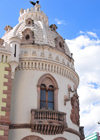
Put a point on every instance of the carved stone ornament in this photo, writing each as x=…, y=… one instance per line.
x=28, y=36
x=67, y=97
x=53, y=27
x=59, y=43
x=21, y=11
x=81, y=129
x=29, y=22
x=48, y=122
x=32, y=138
x=75, y=109
x=8, y=28
x=1, y=42
x=70, y=89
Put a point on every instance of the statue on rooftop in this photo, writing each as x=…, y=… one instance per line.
x=34, y=3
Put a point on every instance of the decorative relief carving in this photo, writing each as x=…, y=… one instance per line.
x=40, y=65
x=48, y=122
x=81, y=129
x=34, y=53
x=28, y=37
x=59, y=43
x=53, y=27
x=8, y=28
x=50, y=56
x=42, y=54
x=75, y=109
x=67, y=97
x=63, y=61
x=1, y=42
x=29, y=22
x=21, y=11
x=57, y=58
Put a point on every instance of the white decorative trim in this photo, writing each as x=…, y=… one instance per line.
x=49, y=67
x=35, y=15
x=46, y=52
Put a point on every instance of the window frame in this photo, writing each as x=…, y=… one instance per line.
x=47, y=101
x=48, y=80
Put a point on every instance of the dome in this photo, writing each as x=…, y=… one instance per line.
x=35, y=21
x=39, y=97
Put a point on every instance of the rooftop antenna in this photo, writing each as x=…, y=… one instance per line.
x=34, y=3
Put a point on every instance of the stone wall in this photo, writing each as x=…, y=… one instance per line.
x=5, y=96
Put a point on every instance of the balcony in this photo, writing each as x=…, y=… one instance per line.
x=48, y=122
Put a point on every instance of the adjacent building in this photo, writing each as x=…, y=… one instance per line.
x=94, y=136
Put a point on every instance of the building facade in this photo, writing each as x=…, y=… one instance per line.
x=38, y=82
x=93, y=136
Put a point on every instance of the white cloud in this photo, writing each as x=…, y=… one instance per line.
x=59, y=22
x=92, y=34
x=86, y=52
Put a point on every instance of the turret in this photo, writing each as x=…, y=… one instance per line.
x=15, y=49
x=5, y=51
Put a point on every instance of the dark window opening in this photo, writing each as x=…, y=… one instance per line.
x=61, y=45
x=47, y=97
x=15, y=51
x=29, y=22
x=27, y=37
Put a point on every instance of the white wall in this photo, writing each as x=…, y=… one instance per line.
x=24, y=98
x=20, y=134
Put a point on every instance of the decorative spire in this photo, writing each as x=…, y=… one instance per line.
x=34, y=3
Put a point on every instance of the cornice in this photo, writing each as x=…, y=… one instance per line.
x=49, y=66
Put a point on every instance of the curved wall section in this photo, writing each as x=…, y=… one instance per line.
x=32, y=138
x=19, y=134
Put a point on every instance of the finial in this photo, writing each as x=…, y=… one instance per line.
x=34, y=3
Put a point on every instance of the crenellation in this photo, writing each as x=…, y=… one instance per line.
x=37, y=15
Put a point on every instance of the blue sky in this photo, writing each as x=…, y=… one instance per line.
x=78, y=22
x=75, y=15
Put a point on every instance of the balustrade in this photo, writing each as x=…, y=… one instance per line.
x=48, y=121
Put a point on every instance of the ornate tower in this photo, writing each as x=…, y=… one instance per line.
x=38, y=82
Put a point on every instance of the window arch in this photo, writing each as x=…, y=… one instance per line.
x=47, y=93
x=32, y=138
x=60, y=138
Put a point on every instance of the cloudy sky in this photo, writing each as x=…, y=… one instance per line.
x=79, y=23
x=86, y=49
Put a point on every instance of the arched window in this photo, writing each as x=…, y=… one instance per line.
x=47, y=97
x=47, y=93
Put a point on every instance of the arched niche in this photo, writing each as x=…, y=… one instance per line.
x=28, y=36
